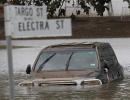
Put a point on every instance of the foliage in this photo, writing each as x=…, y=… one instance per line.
x=3, y=1
x=53, y=5
x=99, y=5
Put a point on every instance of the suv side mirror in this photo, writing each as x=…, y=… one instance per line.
x=106, y=70
x=28, y=69
x=105, y=66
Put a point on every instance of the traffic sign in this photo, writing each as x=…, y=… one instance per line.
x=41, y=28
x=31, y=21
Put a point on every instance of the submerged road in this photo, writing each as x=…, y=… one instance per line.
x=24, y=56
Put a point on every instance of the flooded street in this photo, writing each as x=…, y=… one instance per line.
x=113, y=91
x=24, y=56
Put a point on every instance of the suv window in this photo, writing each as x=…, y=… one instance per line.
x=67, y=60
x=42, y=58
x=83, y=60
x=57, y=62
x=106, y=53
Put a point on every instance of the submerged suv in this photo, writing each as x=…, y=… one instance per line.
x=76, y=64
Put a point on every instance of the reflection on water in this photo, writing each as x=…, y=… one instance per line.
x=24, y=56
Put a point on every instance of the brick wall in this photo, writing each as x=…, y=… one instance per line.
x=1, y=11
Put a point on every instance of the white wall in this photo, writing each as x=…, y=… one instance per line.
x=118, y=5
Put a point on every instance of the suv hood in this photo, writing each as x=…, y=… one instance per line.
x=61, y=81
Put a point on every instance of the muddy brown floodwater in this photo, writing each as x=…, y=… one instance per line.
x=113, y=91
x=118, y=90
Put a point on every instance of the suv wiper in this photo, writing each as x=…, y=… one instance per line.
x=68, y=62
x=41, y=66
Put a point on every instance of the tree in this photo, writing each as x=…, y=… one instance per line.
x=99, y=5
x=3, y=1
x=53, y=5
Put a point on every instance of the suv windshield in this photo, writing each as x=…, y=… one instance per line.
x=67, y=60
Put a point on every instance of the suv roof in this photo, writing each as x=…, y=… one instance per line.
x=75, y=45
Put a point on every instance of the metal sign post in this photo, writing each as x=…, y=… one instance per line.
x=10, y=67
x=9, y=52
